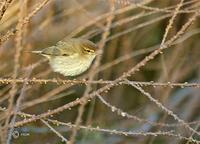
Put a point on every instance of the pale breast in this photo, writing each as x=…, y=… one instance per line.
x=71, y=65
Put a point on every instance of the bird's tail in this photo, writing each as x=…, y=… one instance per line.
x=36, y=52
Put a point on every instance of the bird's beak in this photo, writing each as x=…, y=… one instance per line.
x=98, y=53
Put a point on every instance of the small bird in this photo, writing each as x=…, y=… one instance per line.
x=70, y=57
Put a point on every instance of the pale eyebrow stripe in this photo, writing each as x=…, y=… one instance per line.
x=89, y=49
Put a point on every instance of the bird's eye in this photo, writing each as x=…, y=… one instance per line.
x=89, y=51
x=65, y=54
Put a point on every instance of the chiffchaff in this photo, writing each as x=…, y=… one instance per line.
x=71, y=56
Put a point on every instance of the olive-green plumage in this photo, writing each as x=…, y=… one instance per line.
x=70, y=57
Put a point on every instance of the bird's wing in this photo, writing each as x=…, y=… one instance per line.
x=73, y=45
x=66, y=47
x=53, y=51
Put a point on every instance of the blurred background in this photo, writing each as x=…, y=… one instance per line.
x=137, y=28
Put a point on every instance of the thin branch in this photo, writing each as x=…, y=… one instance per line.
x=55, y=131
x=169, y=112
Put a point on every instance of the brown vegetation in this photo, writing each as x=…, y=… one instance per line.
x=144, y=88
